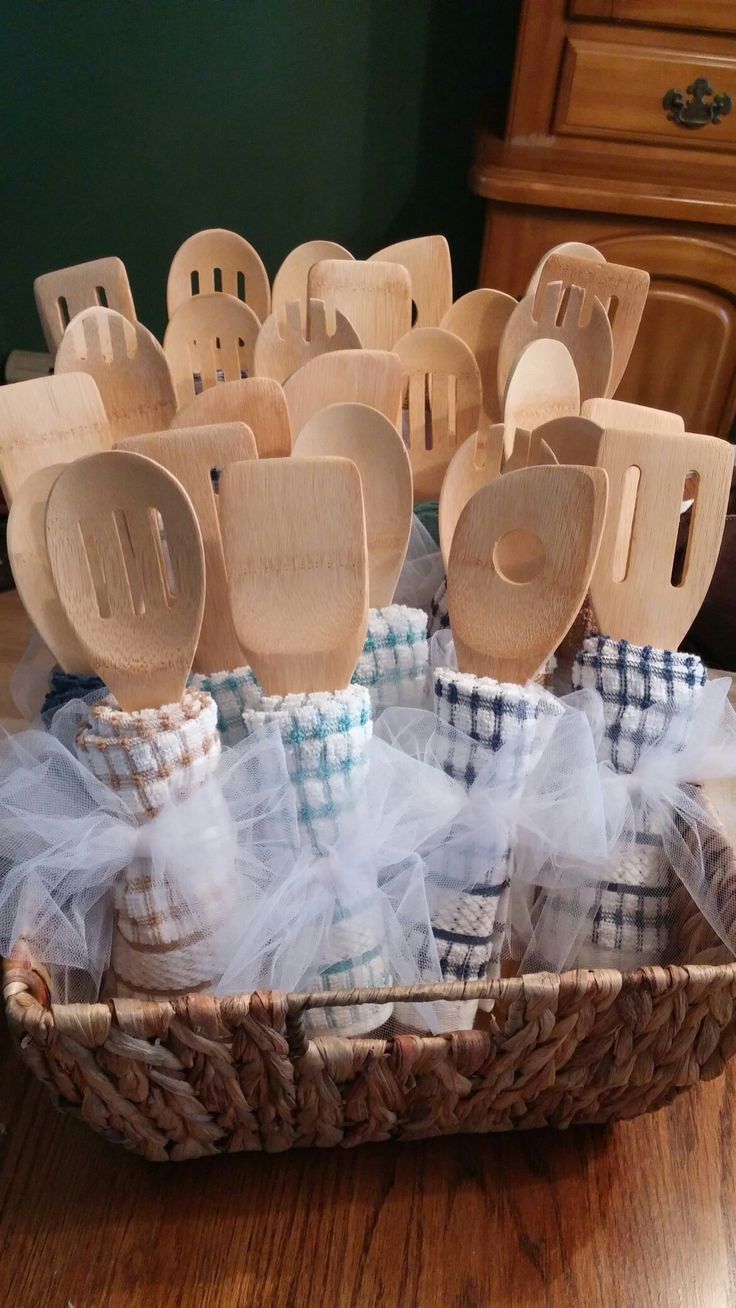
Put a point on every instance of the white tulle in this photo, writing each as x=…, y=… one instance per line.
x=423, y=569
x=29, y=679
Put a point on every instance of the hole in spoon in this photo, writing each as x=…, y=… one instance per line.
x=689, y=502
x=217, y=280
x=625, y=530
x=194, y=282
x=241, y=286
x=64, y=311
x=519, y=556
x=102, y=297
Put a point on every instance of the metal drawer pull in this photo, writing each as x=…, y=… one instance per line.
x=695, y=112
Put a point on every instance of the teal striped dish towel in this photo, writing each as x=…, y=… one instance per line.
x=394, y=661
x=228, y=690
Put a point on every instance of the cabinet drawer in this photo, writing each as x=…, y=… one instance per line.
x=701, y=15
x=614, y=88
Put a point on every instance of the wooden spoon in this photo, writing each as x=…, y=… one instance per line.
x=285, y=344
x=543, y=384
x=62, y=294
x=375, y=297
x=218, y=262
x=632, y=590
x=135, y=610
x=49, y=420
x=622, y=291
x=191, y=455
x=290, y=282
x=428, y=263
x=479, y=319
x=442, y=389
x=295, y=550
x=212, y=336
x=581, y=326
x=630, y=417
x=572, y=440
x=510, y=610
x=259, y=402
x=128, y=365
x=578, y=248
x=370, y=377
x=372, y=443
x=26, y=541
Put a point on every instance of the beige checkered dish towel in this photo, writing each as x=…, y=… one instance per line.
x=150, y=756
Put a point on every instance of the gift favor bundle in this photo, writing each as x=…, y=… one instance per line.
x=320, y=833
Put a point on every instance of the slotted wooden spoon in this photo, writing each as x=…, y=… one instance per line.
x=48, y=420
x=375, y=297
x=578, y=248
x=223, y=263
x=290, y=282
x=29, y=560
x=213, y=337
x=580, y=324
x=370, y=377
x=128, y=365
x=442, y=390
x=479, y=319
x=510, y=609
x=632, y=591
x=543, y=385
x=259, y=402
x=62, y=294
x=295, y=549
x=372, y=443
x=135, y=610
x=428, y=263
x=192, y=455
x=285, y=343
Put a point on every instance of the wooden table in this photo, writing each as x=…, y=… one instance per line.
x=641, y=1215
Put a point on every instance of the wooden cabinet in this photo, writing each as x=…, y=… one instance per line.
x=594, y=155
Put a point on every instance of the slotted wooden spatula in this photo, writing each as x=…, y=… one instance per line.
x=520, y=565
x=578, y=248
x=285, y=343
x=543, y=385
x=622, y=291
x=212, y=337
x=632, y=591
x=49, y=420
x=346, y=376
x=259, y=402
x=442, y=390
x=135, y=609
x=372, y=443
x=128, y=365
x=193, y=455
x=630, y=417
x=290, y=282
x=26, y=540
x=295, y=550
x=428, y=263
x=375, y=297
x=479, y=319
x=580, y=324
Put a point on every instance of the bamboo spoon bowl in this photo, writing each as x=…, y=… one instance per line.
x=580, y=324
x=370, y=377
x=479, y=319
x=259, y=402
x=543, y=384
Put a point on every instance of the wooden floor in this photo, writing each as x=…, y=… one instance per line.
x=641, y=1215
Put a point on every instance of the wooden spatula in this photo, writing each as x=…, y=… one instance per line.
x=62, y=294
x=135, y=609
x=212, y=336
x=428, y=263
x=580, y=324
x=632, y=591
x=295, y=550
x=622, y=291
x=49, y=420
x=285, y=343
x=192, y=455
x=128, y=365
x=442, y=394
x=630, y=417
x=543, y=385
x=370, y=377
x=372, y=443
x=290, y=282
x=510, y=608
x=529, y=451
x=578, y=248
x=572, y=440
x=217, y=261
x=375, y=297
x=259, y=402
x=479, y=319
x=26, y=540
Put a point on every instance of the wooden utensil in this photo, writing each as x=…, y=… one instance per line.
x=259, y=402
x=192, y=455
x=49, y=420
x=622, y=291
x=285, y=344
x=630, y=417
x=529, y=450
x=429, y=265
x=295, y=549
x=62, y=294
x=290, y=282
x=375, y=297
x=632, y=590
x=572, y=440
x=542, y=385
x=135, y=610
x=581, y=324
x=370, y=377
x=128, y=365
x=479, y=319
x=509, y=610
x=34, y=582
x=212, y=336
x=214, y=262
x=372, y=443
x=442, y=393
x=578, y=248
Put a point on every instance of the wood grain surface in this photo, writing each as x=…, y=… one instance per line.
x=640, y=1215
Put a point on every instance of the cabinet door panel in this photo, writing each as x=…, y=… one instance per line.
x=714, y=16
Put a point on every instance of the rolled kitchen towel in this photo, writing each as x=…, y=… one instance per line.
x=228, y=690
x=393, y=664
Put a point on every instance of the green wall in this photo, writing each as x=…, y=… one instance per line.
x=129, y=124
